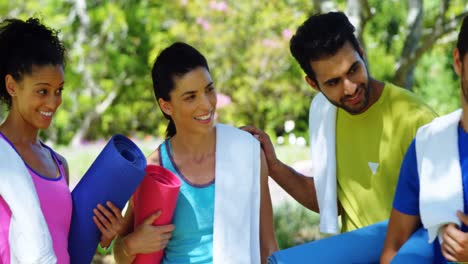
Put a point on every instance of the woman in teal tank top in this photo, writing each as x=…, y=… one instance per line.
x=186, y=95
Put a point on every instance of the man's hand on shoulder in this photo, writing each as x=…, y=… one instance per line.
x=266, y=144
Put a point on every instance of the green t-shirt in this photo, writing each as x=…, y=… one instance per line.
x=369, y=150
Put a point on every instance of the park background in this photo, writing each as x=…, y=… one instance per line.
x=111, y=45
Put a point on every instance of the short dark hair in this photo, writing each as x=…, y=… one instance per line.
x=462, y=42
x=320, y=36
x=174, y=61
x=24, y=44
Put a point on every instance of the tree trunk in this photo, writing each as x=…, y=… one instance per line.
x=324, y=6
x=405, y=69
x=90, y=117
x=90, y=86
x=359, y=14
x=418, y=45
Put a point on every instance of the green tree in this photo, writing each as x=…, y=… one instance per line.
x=112, y=44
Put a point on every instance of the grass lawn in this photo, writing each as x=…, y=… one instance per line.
x=80, y=158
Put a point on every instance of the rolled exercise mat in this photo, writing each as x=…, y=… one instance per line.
x=113, y=176
x=416, y=249
x=158, y=191
x=362, y=245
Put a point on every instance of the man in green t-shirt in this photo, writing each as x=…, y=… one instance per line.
x=371, y=126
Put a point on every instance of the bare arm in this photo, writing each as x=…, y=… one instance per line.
x=268, y=243
x=400, y=227
x=121, y=253
x=300, y=187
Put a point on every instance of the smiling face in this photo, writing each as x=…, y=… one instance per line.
x=192, y=102
x=37, y=96
x=343, y=79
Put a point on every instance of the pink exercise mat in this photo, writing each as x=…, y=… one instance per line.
x=158, y=191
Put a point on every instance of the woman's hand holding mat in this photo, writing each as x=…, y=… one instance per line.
x=148, y=238
x=109, y=222
x=113, y=176
x=158, y=194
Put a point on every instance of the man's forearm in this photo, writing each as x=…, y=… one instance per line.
x=300, y=187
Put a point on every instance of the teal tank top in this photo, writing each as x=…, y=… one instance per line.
x=192, y=238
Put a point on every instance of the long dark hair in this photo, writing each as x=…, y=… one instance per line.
x=174, y=61
x=462, y=42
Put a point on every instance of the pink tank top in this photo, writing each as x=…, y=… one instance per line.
x=56, y=204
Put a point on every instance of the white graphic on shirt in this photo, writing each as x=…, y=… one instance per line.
x=373, y=167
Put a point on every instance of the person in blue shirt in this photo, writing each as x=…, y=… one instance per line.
x=408, y=206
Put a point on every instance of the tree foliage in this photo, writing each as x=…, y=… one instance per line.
x=112, y=45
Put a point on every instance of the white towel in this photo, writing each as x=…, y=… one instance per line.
x=237, y=197
x=29, y=236
x=322, y=124
x=441, y=189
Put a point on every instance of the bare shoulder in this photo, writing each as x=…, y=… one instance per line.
x=65, y=165
x=153, y=158
x=62, y=159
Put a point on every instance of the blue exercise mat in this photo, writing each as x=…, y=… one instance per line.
x=416, y=250
x=363, y=245
x=113, y=176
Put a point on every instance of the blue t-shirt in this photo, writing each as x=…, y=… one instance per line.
x=192, y=238
x=407, y=192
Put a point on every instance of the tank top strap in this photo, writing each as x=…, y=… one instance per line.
x=57, y=160
x=165, y=155
x=53, y=153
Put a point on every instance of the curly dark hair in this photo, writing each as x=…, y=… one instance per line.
x=24, y=44
x=320, y=36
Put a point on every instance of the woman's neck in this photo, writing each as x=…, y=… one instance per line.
x=18, y=132
x=194, y=145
